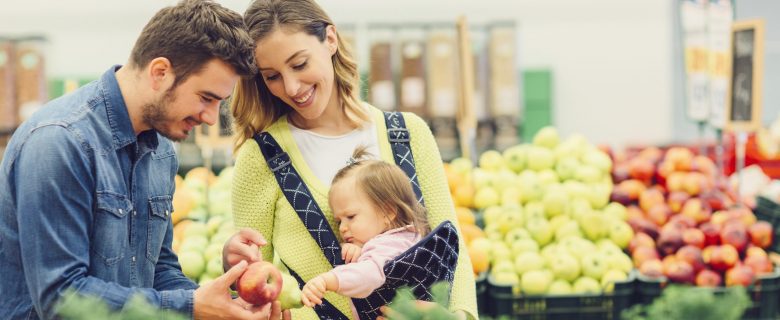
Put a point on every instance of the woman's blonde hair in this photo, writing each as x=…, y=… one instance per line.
x=254, y=107
x=388, y=188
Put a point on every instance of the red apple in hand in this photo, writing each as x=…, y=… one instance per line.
x=708, y=278
x=260, y=283
x=761, y=234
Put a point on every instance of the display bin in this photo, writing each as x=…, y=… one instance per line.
x=764, y=294
x=769, y=211
x=503, y=303
x=482, y=297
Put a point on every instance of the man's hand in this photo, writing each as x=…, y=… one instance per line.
x=350, y=252
x=242, y=246
x=213, y=300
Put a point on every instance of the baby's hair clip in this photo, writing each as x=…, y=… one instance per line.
x=351, y=161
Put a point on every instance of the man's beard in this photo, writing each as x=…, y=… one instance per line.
x=155, y=115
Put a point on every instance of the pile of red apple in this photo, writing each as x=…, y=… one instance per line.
x=688, y=228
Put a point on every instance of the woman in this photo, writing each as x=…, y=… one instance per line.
x=306, y=97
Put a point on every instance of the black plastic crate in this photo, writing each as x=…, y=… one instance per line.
x=482, y=296
x=769, y=211
x=504, y=304
x=765, y=294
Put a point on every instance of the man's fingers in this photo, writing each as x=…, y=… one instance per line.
x=250, y=235
x=286, y=315
x=232, y=274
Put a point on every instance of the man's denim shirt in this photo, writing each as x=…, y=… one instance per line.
x=85, y=204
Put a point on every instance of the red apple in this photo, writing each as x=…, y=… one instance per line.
x=711, y=234
x=685, y=221
x=676, y=200
x=708, y=278
x=691, y=255
x=675, y=182
x=714, y=199
x=632, y=187
x=640, y=224
x=740, y=275
x=652, y=268
x=679, y=271
x=736, y=235
x=642, y=254
x=697, y=210
x=755, y=251
x=620, y=173
x=669, y=241
x=759, y=264
x=649, y=198
x=260, y=284
x=761, y=234
x=620, y=196
x=694, y=183
x=641, y=169
x=659, y=214
x=693, y=237
x=720, y=258
x=640, y=240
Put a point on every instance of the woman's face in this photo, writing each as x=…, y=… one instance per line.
x=297, y=68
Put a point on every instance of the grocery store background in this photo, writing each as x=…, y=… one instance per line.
x=616, y=65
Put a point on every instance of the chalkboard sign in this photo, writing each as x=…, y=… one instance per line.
x=747, y=65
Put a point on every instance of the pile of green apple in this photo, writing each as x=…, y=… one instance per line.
x=550, y=226
x=199, y=247
x=688, y=227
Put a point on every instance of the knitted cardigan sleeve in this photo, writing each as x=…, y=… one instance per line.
x=440, y=207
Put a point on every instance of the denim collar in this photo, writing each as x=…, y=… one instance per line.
x=118, y=117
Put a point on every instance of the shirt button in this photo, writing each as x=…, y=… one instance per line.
x=120, y=211
x=133, y=258
x=166, y=213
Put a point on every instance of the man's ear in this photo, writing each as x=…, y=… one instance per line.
x=331, y=39
x=160, y=73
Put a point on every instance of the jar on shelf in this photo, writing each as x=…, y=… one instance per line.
x=29, y=69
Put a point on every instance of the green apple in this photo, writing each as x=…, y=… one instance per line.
x=610, y=277
x=607, y=247
x=528, y=261
x=196, y=228
x=594, y=265
x=524, y=245
x=529, y=186
x=551, y=251
x=515, y=157
x=461, y=165
x=566, y=167
x=486, y=197
x=616, y=211
x=568, y=229
x=192, y=263
x=578, y=207
x=586, y=285
x=214, y=249
x=594, y=225
x=560, y=287
x=503, y=266
x=535, y=282
x=500, y=252
x=565, y=266
x=577, y=247
x=509, y=279
x=546, y=137
x=511, y=196
x=214, y=267
x=620, y=262
x=482, y=178
x=547, y=177
x=195, y=243
x=494, y=232
x=540, y=158
x=540, y=230
x=621, y=233
x=213, y=224
x=491, y=160
x=481, y=244
x=588, y=174
x=598, y=159
x=599, y=195
x=492, y=215
x=221, y=237
x=567, y=149
x=508, y=222
x=204, y=279
x=534, y=210
x=504, y=178
x=557, y=221
x=517, y=234
x=290, y=296
x=555, y=200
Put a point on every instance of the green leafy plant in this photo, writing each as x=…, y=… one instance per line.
x=685, y=302
x=76, y=306
x=405, y=306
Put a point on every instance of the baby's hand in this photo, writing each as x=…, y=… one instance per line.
x=350, y=252
x=313, y=291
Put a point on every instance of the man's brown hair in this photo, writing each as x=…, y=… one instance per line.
x=192, y=33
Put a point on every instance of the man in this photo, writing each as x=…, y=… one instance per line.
x=86, y=183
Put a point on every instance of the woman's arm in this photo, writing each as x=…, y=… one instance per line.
x=430, y=171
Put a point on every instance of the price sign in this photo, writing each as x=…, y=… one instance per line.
x=694, y=22
x=720, y=15
x=747, y=65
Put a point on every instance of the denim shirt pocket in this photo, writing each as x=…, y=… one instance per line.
x=110, y=237
x=160, y=209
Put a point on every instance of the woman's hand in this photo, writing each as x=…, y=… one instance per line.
x=350, y=252
x=244, y=245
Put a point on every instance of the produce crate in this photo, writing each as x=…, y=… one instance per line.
x=503, y=303
x=769, y=211
x=482, y=296
x=765, y=294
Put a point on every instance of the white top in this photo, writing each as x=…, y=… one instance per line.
x=326, y=155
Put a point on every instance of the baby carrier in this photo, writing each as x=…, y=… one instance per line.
x=431, y=260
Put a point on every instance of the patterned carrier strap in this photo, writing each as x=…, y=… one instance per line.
x=299, y=196
x=399, y=138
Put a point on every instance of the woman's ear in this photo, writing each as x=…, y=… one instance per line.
x=331, y=39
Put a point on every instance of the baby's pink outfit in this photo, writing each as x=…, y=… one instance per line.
x=359, y=279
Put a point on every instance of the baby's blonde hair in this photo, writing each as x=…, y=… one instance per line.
x=388, y=188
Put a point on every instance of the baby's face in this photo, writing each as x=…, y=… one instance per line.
x=358, y=218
